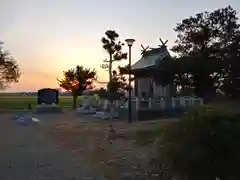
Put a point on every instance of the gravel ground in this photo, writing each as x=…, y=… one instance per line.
x=26, y=154
x=69, y=147
x=115, y=156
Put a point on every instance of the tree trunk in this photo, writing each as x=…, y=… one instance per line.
x=74, y=102
x=112, y=108
x=110, y=67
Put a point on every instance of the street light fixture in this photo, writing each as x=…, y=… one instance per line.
x=129, y=43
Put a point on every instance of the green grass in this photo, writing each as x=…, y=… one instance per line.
x=21, y=102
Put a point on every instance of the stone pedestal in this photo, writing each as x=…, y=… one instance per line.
x=48, y=108
x=86, y=110
x=105, y=114
x=102, y=115
x=86, y=107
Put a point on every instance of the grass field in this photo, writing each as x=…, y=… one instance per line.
x=21, y=102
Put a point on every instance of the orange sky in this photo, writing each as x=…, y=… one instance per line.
x=47, y=37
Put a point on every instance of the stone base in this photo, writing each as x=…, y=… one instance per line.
x=102, y=115
x=105, y=115
x=48, y=109
x=83, y=110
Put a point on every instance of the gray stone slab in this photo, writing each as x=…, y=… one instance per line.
x=83, y=110
x=48, y=109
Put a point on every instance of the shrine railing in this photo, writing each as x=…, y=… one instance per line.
x=162, y=103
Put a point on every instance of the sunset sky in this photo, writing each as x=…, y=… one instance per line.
x=49, y=36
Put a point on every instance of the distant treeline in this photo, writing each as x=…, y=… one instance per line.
x=29, y=94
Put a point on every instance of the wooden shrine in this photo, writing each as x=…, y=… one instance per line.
x=145, y=86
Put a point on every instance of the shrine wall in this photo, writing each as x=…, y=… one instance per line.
x=146, y=88
x=143, y=86
x=159, y=91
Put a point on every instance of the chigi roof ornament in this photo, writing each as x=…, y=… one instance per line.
x=144, y=49
x=163, y=44
x=151, y=56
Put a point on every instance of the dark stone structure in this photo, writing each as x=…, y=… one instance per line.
x=48, y=96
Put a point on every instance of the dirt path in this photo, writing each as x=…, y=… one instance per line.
x=27, y=155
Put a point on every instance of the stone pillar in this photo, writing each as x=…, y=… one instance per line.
x=86, y=107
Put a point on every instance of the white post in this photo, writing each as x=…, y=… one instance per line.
x=173, y=102
x=117, y=103
x=187, y=101
x=150, y=103
x=201, y=101
x=105, y=104
x=126, y=104
x=137, y=104
x=182, y=101
x=162, y=103
x=192, y=101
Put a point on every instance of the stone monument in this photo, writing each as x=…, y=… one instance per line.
x=47, y=100
x=86, y=108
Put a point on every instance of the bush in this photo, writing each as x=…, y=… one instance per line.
x=203, y=145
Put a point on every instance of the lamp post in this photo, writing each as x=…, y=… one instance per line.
x=129, y=43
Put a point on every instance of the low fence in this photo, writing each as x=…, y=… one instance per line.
x=163, y=103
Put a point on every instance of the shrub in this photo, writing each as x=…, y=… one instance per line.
x=203, y=145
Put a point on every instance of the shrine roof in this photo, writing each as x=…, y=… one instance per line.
x=150, y=58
